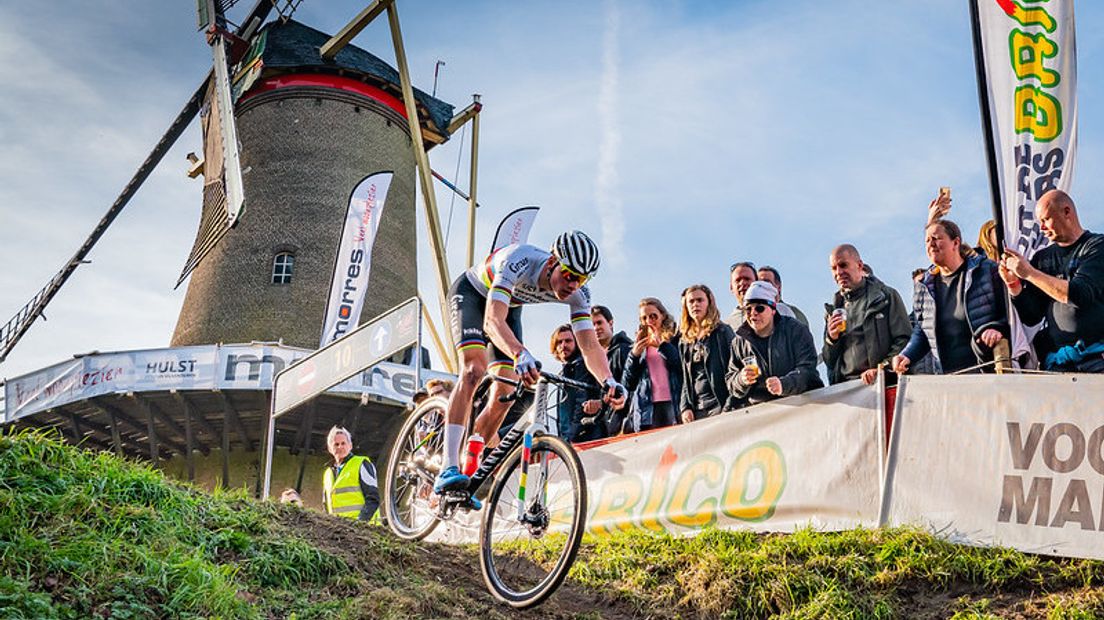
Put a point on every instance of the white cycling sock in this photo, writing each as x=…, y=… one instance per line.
x=454, y=436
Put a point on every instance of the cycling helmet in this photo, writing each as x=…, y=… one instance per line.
x=577, y=252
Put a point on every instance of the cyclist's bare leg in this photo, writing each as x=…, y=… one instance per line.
x=473, y=365
x=490, y=419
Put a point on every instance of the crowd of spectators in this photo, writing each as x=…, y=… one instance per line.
x=701, y=365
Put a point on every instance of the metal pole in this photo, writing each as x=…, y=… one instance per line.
x=433, y=221
x=267, y=486
x=472, y=184
x=445, y=355
x=987, y=125
x=418, y=354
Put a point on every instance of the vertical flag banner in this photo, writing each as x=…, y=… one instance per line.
x=1026, y=60
x=354, y=256
x=515, y=227
x=1030, y=66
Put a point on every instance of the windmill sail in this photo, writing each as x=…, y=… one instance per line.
x=213, y=223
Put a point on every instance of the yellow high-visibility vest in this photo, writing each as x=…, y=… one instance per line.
x=342, y=497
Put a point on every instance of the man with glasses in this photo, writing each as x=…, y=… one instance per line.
x=740, y=277
x=485, y=307
x=772, y=355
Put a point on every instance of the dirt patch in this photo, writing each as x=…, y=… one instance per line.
x=371, y=550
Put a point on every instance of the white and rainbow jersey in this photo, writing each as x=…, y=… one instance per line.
x=510, y=275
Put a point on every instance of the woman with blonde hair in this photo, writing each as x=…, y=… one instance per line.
x=987, y=240
x=705, y=345
x=653, y=370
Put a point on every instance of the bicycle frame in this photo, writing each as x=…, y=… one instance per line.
x=523, y=430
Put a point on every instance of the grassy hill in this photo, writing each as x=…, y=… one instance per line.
x=86, y=535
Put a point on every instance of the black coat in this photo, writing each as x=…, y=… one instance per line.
x=618, y=354
x=717, y=348
x=788, y=353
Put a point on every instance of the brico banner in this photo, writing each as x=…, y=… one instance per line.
x=810, y=460
x=1030, y=61
x=226, y=367
x=1016, y=461
x=354, y=256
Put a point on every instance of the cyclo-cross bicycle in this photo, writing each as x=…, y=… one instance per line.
x=535, y=513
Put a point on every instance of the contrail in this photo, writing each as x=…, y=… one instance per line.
x=607, y=197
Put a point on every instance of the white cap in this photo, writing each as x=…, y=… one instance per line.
x=761, y=291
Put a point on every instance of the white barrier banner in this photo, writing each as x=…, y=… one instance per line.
x=810, y=460
x=1014, y=461
x=354, y=256
x=234, y=367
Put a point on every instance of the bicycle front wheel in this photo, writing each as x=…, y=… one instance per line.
x=526, y=552
x=413, y=463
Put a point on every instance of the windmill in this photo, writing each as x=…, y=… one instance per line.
x=237, y=62
x=294, y=120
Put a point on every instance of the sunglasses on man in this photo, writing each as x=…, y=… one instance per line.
x=571, y=276
x=756, y=308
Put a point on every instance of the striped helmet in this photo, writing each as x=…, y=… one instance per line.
x=577, y=252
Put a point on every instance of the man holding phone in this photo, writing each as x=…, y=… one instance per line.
x=1062, y=284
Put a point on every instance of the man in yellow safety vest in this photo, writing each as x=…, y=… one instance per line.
x=349, y=484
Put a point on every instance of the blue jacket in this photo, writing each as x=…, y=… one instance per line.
x=638, y=381
x=986, y=307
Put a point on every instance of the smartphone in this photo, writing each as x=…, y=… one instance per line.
x=945, y=191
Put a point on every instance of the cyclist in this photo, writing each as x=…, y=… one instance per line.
x=485, y=308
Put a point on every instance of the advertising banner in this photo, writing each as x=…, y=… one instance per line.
x=1009, y=460
x=354, y=256
x=1029, y=59
x=811, y=460
x=515, y=227
x=230, y=367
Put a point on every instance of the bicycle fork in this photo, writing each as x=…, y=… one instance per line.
x=532, y=510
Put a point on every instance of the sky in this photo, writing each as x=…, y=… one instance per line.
x=683, y=136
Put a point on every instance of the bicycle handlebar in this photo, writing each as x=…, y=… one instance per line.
x=547, y=376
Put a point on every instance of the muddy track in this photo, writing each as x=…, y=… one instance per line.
x=367, y=549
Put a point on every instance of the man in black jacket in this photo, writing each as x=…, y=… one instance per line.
x=569, y=409
x=1063, y=284
x=772, y=355
x=873, y=326
x=618, y=345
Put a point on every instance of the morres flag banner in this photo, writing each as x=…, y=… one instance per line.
x=1028, y=74
x=354, y=256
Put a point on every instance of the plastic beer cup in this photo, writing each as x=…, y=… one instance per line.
x=752, y=362
x=842, y=314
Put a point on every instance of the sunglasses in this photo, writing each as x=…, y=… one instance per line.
x=756, y=308
x=571, y=276
x=733, y=266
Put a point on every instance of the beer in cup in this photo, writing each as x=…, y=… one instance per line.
x=842, y=314
x=752, y=362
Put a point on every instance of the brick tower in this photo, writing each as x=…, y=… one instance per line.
x=310, y=131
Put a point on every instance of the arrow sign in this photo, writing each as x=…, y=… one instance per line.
x=360, y=349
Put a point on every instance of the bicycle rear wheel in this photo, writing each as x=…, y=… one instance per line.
x=415, y=459
x=523, y=562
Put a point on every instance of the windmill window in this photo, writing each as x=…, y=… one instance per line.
x=282, y=267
